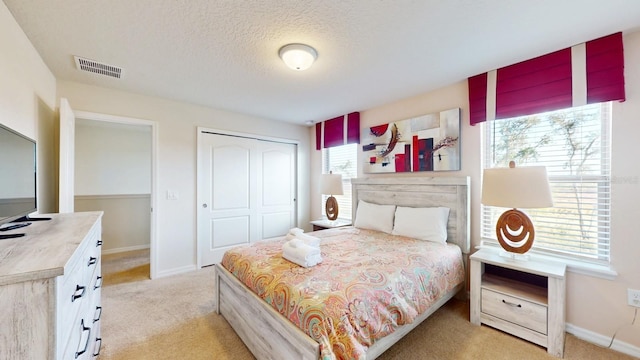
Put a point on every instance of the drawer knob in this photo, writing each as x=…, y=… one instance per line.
x=86, y=344
x=99, y=341
x=92, y=261
x=80, y=290
x=98, y=283
x=511, y=304
x=97, y=314
x=99, y=243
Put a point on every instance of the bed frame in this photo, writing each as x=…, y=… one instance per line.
x=269, y=335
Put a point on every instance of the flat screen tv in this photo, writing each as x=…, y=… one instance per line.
x=17, y=175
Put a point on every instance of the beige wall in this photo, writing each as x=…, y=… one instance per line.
x=596, y=307
x=27, y=102
x=176, y=161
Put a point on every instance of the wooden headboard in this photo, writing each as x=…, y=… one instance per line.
x=450, y=192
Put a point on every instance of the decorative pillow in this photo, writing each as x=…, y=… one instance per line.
x=428, y=224
x=375, y=217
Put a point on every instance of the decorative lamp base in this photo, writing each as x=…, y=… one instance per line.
x=515, y=231
x=331, y=208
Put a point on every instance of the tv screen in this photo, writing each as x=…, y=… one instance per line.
x=17, y=175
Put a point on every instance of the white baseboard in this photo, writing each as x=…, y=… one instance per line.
x=176, y=271
x=604, y=341
x=125, y=249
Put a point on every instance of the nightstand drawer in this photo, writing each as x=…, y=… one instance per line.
x=518, y=311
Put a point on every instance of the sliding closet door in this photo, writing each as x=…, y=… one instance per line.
x=277, y=179
x=246, y=192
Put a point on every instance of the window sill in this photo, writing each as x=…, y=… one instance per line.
x=573, y=265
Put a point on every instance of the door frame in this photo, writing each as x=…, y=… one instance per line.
x=199, y=181
x=86, y=115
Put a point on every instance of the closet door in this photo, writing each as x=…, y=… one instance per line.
x=246, y=192
x=277, y=179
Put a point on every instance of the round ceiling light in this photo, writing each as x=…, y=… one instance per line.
x=299, y=57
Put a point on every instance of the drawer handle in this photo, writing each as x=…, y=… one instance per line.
x=80, y=290
x=92, y=261
x=99, y=243
x=511, y=304
x=86, y=344
x=98, y=283
x=99, y=311
x=99, y=341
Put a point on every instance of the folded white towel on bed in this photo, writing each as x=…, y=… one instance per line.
x=307, y=239
x=311, y=261
x=295, y=231
x=297, y=251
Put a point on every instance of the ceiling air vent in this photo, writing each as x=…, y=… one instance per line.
x=98, y=67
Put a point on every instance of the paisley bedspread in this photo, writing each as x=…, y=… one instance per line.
x=367, y=285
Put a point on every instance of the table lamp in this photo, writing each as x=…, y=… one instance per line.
x=331, y=184
x=516, y=187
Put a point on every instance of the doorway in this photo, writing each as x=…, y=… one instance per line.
x=111, y=167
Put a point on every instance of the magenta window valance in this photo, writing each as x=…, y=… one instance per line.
x=551, y=82
x=338, y=131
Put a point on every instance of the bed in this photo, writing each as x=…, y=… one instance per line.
x=267, y=326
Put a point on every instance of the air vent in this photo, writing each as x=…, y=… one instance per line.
x=98, y=67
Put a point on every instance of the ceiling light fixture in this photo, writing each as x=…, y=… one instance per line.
x=299, y=57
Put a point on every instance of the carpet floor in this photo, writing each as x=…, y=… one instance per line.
x=173, y=318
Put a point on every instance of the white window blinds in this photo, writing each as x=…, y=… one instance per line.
x=574, y=145
x=341, y=160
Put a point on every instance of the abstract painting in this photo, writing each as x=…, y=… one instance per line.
x=425, y=143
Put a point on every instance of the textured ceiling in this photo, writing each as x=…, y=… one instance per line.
x=224, y=53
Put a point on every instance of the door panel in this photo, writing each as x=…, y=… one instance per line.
x=276, y=224
x=231, y=182
x=229, y=231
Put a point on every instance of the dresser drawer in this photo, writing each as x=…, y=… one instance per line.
x=516, y=310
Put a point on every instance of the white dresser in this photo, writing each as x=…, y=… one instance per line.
x=50, y=284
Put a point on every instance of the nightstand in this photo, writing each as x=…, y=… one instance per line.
x=525, y=298
x=328, y=224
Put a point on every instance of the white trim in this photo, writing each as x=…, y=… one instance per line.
x=604, y=341
x=125, y=249
x=176, y=271
x=492, y=81
x=579, y=74
x=202, y=130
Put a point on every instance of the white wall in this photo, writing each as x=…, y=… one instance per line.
x=177, y=123
x=596, y=307
x=27, y=102
x=112, y=159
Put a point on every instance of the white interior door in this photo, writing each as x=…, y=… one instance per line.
x=246, y=192
x=67, y=157
x=277, y=179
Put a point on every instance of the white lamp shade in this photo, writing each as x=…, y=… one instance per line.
x=517, y=187
x=331, y=184
x=298, y=56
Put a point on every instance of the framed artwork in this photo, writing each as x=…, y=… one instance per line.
x=425, y=143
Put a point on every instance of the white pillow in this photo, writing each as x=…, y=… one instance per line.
x=422, y=223
x=374, y=216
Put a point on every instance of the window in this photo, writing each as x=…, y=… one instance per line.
x=574, y=145
x=341, y=160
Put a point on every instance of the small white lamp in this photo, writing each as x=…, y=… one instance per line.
x=516, y=187
x=298, y=57
x=331, y=184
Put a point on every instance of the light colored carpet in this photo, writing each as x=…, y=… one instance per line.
x=173, y=318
